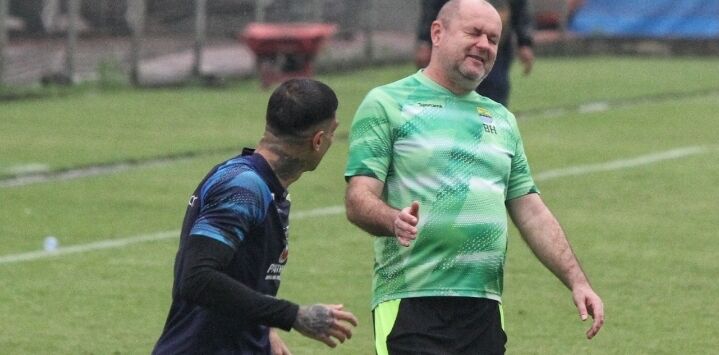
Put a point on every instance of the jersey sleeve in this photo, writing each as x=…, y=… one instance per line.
x=370, y=149
x=520, y=176
x=203, y=281
x=230, y=208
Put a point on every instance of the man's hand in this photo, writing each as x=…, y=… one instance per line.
x=405, y=225
x=589, y=304
x=325, y=322
x=278, y=346
x=526, y=56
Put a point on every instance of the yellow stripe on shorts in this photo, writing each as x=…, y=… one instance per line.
x=385, y=315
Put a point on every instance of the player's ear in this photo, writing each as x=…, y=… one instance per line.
x=317, y=140
x=435, y=31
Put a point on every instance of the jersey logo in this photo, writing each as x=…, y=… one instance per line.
x=487, y=120
x=193, y=198
x=284, y=255
x=422, y=104
x=274, y=271
x=484, y=115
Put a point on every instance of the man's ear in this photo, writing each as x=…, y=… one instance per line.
x=317, y=140
x=436, y=31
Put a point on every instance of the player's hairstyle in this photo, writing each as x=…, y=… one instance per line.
x=298, y=105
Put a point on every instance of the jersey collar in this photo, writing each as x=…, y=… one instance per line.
x=265, y=171
x=427, y=81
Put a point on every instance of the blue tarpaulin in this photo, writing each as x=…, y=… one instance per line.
x=648, y=18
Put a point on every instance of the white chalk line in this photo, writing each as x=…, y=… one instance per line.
x=613, y=165
x=38, y=173
x=622, y=163
x=117, y=243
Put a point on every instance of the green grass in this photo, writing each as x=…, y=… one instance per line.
x=645, y=235
x=570, y=81
x=120, y=125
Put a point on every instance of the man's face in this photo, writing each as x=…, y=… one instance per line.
x=468, y=45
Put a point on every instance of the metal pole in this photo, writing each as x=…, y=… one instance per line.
x=317, y=10
x=259, y=10
x=71, y=46
x=369, y=26
x=136, y=19
x=4, y=7
x=200, y=31
x=564, y=13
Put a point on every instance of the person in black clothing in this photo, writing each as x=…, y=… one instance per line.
x=516, y=22
x=234, y=242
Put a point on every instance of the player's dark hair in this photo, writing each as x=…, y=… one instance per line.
x=298, y=105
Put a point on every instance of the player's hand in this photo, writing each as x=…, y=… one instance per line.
x=405, y=224
x=278, y=346
x=526, y=56
x=589, y=304
x=325, y=323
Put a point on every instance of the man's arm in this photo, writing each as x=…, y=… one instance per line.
x=366, y=209
x=277, y=345
x=522, y=25
x=521, y=22
x=543, y=234
x=204, y=282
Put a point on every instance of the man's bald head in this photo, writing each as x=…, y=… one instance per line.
x=451, y=10
x=465, y=39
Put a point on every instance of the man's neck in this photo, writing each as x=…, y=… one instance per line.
x=286, y=166
x=435, y=74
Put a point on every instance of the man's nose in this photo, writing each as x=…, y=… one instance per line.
x=483, y=42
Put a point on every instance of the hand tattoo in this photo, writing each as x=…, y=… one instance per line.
x=314, y=320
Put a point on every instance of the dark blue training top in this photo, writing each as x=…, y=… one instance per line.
x=236, y=227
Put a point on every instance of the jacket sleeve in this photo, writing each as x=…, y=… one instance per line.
x=522, y=22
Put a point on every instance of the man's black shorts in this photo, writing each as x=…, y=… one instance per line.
x=439, y=325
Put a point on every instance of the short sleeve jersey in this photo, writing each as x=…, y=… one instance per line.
x=462, y=158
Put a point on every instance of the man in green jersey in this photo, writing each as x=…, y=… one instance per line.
x=433, y=170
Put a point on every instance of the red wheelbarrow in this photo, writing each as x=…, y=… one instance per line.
x=285, y=50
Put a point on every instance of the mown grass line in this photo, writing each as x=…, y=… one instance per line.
x=33, y=177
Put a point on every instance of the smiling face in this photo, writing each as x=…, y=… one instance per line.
x=465, y=42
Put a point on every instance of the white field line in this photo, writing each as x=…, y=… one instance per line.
x=83, y=172
x=621, y=163
x=39, y=173
x=117, y=243
x=613, y=165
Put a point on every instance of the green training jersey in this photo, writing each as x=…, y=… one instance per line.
x=461, y=157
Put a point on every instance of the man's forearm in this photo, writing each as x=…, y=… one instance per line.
x=366, y=209
x=203, y=283
x=545, y=237
x=370, y=213
x=550, y=245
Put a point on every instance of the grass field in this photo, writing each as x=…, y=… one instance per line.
x=632, y=175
